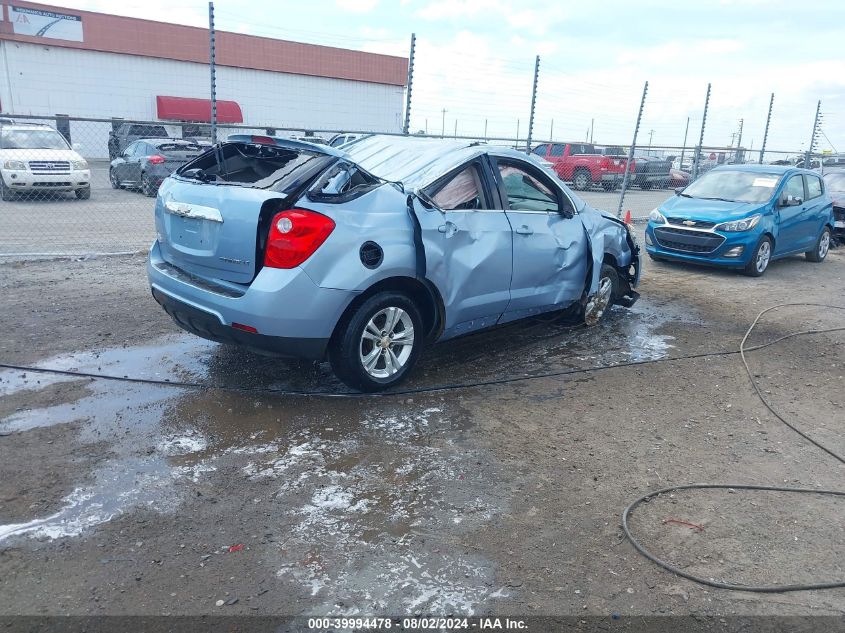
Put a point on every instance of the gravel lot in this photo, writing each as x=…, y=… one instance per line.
x=502, y=499
x=119, y=221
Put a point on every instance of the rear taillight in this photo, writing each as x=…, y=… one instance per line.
x=263, y=140
x=294, y=236
x=156, y=159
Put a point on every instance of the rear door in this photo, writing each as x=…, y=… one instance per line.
x=134, y=167
x=549, y=245
x=122, y=168
x=817, y=211
x=468, y=242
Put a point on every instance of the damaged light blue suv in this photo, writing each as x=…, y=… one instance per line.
x=365, y=254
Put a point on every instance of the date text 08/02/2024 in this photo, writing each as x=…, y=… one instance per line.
x=419, y=624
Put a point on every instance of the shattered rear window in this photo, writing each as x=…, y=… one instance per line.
x=342, y=181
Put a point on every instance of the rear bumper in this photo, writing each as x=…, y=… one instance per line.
x=292, y=315
x=20, y=180
x=208, y=326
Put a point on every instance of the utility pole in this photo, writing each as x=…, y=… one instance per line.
x=650, y=137
x=517, y=130
x=592, y=128
x=533, y=104
x=456, y=128
x=808, y=159
x=740, y=154
x=684, y=147
x=405, y=128
x=443, y=124
x=626, y=177
x=211, y=65
x=701, y=137
x=766, y=133
x=485, y=129
x=552, y=131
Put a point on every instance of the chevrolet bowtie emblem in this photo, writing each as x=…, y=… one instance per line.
x=689, y=222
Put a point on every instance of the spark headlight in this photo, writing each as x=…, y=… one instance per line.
x=656, y=216
x=746, y=224
x=79, y=165
x=14, y=165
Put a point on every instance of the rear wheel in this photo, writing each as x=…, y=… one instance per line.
x=83, y=194
x=760, y=258
x=609, y=186
x=378, y=343
x=822, y=247
x=645, y=185
x=600, y=303
x=581, y=180
x=148, y=187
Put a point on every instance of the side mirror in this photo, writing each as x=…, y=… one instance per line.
x=77, y=147
x=678, y=190
x=792, y=201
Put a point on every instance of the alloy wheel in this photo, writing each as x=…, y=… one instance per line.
x=386, y=342
x=764, y=254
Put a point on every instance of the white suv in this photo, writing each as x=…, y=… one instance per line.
x=36, y=158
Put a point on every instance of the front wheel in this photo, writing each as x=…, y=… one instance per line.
x=378, y=343
x=6, y=194
x=760, y=259
x=84, y=194
x=822, y=247
x=599, y=304
x=609, y=186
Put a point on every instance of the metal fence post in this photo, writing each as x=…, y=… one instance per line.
x=701, y=137
x=211, y=52
x=684, y=147
x=766, y=131
x=407, y=125
x=626, y=177
x=533, y=103
x=807, y=160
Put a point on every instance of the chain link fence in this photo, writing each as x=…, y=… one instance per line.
x=74, y=185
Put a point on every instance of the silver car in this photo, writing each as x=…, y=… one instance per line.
x=366, y=254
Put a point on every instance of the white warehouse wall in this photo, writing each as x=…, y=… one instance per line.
x=47, y=80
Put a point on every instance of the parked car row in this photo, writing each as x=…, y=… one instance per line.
x=585, y=165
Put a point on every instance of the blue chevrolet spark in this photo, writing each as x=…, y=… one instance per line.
x=743, y=217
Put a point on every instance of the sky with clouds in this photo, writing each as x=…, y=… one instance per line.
x=475, y=60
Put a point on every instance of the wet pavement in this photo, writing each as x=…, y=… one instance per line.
x=365, y=483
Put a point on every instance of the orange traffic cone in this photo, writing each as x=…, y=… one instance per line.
x=628, y=216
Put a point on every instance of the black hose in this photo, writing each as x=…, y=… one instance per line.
x=734, y=586
x=714, y=583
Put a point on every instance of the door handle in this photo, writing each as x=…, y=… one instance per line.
x=449, y=228
x=524, y=230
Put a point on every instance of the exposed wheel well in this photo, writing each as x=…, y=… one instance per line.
x=425, y=296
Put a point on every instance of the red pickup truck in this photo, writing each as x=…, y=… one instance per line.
x=583, y=165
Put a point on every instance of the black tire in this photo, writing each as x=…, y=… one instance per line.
x=6, y=194
x=582, y=179
x=609, y=186
x=113, y=179
x=645, y=185
x=753, y=268
x=656, y=258
x=147, y=187
x=596, y=314
x=83, y=194
x=348, y=345
x=821, y=248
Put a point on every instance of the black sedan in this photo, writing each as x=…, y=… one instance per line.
x=145, y=163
